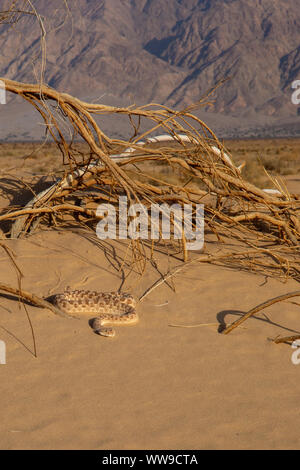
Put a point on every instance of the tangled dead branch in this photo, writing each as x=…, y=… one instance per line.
x=267, y=222
x=12, y=11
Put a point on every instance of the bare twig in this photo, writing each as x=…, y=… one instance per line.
x=34, y=299
x=258, y=308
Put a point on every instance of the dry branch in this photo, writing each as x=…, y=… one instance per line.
x=32, y=298
x=267, y=221
x=258, y=308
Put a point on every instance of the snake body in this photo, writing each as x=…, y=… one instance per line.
x=111, y=308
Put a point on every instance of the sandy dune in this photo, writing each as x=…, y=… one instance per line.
x=153, y=386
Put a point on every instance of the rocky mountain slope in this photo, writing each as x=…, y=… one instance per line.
x=167, y=51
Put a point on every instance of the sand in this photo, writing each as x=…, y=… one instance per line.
x=153, y=386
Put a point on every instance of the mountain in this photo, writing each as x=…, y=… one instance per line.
x=166, y=51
